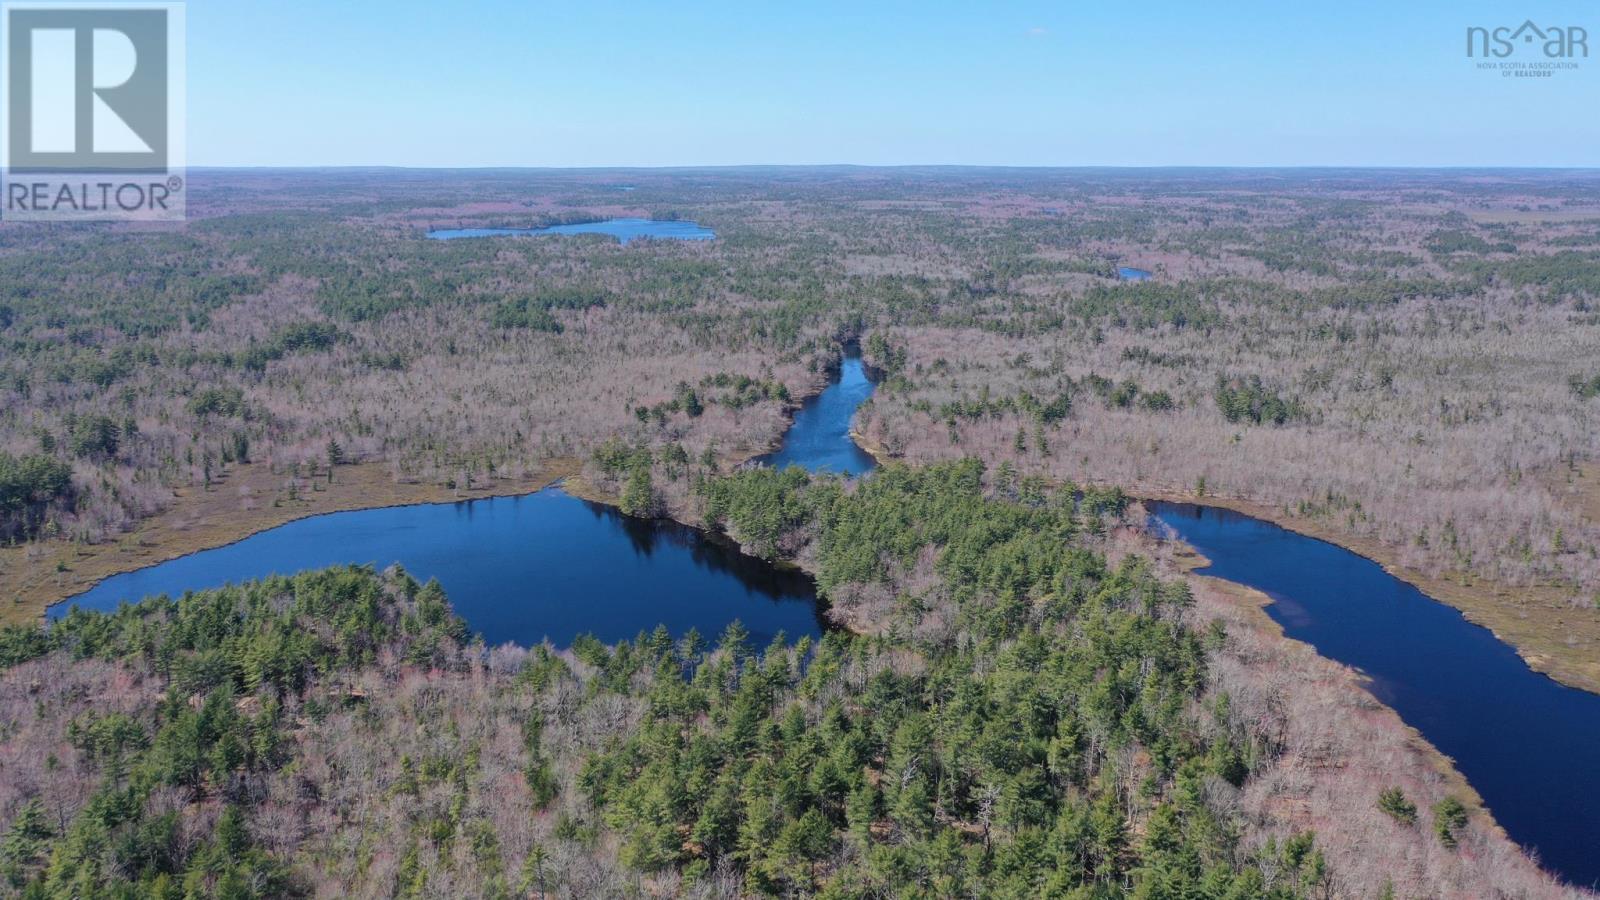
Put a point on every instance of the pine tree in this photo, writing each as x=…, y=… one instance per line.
x=1110, y=836
x=533, y=871
x=639, y=494
x=861, y=810
x=1393, y=803
x=22, y=841
x=1449, y=816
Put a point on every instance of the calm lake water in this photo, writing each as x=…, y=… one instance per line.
x=548, y=565
x=1128, y=273
x=517, y=569
x=819, y=440
x=1530, y=746
x=624, y=230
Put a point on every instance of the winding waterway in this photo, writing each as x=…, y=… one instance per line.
x=819, y=440
x=1527, y=744
x=1530, y=746
x=548, y=565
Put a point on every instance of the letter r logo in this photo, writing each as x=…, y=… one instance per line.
x=87, y=89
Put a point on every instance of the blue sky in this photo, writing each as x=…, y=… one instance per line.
x=585, y=83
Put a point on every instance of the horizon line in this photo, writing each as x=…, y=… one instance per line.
x=1486, y=167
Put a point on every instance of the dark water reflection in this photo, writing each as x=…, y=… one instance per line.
x=517, y=569
x=549, y=565
x=1530, y=746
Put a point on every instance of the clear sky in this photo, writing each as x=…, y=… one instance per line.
x=1067, y=82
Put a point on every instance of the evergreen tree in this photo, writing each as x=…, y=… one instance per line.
x=1449, y=817
x=639, y=494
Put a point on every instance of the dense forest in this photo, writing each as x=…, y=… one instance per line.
x=1033, y=720
x=1023, y=694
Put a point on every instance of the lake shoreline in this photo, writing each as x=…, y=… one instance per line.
x=814, y=388
x=573, y=542
x=567, y=475
x=1518, y=736
x=1253, y=603
x=623, y=229
x=1476, y=602
x=1480, y=601
x=30, y=579
x=34, y=585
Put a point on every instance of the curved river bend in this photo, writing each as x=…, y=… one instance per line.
x=1529, y=745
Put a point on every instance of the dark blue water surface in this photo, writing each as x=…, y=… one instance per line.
x=1128, y=273
x=819, y=440
x=623, y=230
x=1530, y=746
x=548, y=565
x=517, y=569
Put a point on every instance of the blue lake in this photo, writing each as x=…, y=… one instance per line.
x=548, y=565
x=624, y=230
x=819, y=440
x=1128, y=273
x=1530, y=746
x=543, y=565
